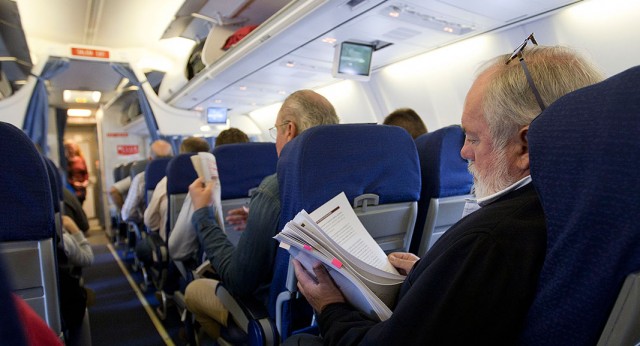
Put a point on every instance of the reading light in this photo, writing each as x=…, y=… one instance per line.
x=78, y=112
x=330, y=40
x=81, y=96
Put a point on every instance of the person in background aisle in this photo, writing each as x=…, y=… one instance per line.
x=246, y=270
x=408, y=119
x=476, y=283
x=134, y=204
x=77, y=173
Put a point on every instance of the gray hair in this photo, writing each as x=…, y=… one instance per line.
x=307, y=109
x=509, y=102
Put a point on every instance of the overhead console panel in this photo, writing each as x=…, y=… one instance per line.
x=294, y=48
x=280, y=35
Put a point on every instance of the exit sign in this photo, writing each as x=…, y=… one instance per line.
x=90, y=53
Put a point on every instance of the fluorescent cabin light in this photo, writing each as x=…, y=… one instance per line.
x=78, y=112
x=81, y=96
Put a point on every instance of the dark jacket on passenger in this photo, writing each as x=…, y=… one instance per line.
x=473, y=287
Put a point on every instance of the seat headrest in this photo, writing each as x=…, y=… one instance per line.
x=26, y=198
x=55, y=180
x=444, y=171
x=155, y=171
x=583, y=151
x=180, y=174
x=242, y=166
x=355, y=158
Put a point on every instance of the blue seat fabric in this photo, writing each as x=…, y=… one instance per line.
x=242, y=166
x=444, y=172
x=326, y=160
x=584, y=152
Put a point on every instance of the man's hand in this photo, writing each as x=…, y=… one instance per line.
x=403, y=261
x=201, y=193
x=238, y=218
x=320, y=292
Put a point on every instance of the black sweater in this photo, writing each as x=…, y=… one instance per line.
x=474, y=286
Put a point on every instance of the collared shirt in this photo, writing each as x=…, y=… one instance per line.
x=133, y=208
x=472, y=205
x=155, y=217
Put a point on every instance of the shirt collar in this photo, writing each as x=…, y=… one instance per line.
x=520, y=183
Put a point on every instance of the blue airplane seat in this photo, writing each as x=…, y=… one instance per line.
x=153, y=173
x=325, y=160
x=138, y=167
x=27, y=226
x=584, y=152
x=180, y=174
x=446, y=184
x=241, y=168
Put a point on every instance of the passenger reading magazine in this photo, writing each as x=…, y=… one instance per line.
x=334, y=235
x=206, y=167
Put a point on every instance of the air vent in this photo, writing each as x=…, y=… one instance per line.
x=354, y=3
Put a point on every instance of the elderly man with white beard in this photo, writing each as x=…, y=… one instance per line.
x=478, y=280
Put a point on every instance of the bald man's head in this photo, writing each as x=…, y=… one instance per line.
x=161, y=148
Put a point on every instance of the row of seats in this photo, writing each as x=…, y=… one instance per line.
x=589, y=288
x=391, y=198
x=445, y=183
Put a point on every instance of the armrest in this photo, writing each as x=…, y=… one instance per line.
x=250, y=315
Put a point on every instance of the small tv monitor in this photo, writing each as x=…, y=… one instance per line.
x=216, y=115
x=353, y=61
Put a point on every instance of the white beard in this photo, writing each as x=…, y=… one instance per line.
x=496, y=179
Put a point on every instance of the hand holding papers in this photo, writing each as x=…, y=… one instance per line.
x=207, y=169
x=334, y=235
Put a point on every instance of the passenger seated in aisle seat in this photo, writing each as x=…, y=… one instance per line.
x=73, y=209
x=408, y=119
x=134, y=205
x=118, y=191
x=155, y=216
x=477, y=282
x=246, y=270
x=183, y=242
x=76, y=246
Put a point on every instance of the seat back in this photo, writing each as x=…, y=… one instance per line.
x=241, y=168
x=138, y=167
x=27, y=226
x=55, y=181
x=125, y=170
x=153, y=173
x=583, y=151
x=180, y=174
x=358, y=159
x=446, y=184
x=11, y=328
x=622, y=325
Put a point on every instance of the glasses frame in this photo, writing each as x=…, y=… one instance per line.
x=273, y=131
x=518, y=53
